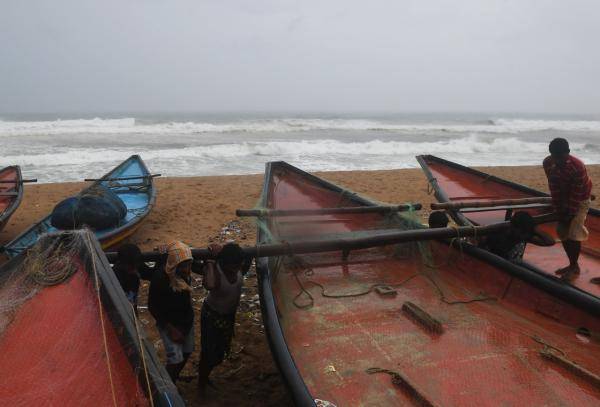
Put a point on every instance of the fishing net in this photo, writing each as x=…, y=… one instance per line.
x=49, y=262
x=98, y=207
x=422, y=259
x=59, y=339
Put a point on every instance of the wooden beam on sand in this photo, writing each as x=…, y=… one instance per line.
x=355, y=243
x=272, y=213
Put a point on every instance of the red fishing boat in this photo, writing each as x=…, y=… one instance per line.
x=441, y=323
x=69, y=336
x=11, y=192
x=454, y=182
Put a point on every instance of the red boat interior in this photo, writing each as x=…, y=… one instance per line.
x=8, y=190
x=54, y=352
x=461, y=185
x=455, y=330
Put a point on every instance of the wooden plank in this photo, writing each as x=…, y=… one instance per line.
x=573, y=367
x=422, y=317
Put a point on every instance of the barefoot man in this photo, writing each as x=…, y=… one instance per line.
x=571, y=190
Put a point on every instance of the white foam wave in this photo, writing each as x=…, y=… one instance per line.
x=320, y=148
x=60, y=163
x=131, y=126
x=521, y=125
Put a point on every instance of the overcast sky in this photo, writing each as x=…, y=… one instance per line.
x=283, y=55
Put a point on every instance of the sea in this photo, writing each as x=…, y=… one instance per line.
x=68, y=147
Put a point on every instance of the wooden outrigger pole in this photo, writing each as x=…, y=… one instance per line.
x=123, y=178
x=22, y=181
x=271, y=213
x=494, y=203
x=354, y=243
x=491, y=203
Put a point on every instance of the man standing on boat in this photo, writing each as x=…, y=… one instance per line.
x=571, y=188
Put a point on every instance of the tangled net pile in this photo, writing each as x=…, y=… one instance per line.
x=50, y=261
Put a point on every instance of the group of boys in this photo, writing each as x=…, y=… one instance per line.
x=170, y=300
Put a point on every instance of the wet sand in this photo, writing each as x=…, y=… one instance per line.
x=202, y=209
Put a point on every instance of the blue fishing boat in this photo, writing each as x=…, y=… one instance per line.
x=133, y=184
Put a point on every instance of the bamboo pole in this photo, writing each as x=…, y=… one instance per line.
x=271, y=213
x=123, y=178
x=495, y=202
x=355, y=243
x=23, y=181
x=491, y=203
x=506, y=208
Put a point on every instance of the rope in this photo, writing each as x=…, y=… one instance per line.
x=450, y=260
x=445, y=300
x=344, y=195
x=112, y=386
x=144, y=366
x=309, y=271
x=298, y=263
x=547, y=345
x=486, y=178
x=430, y=188
x=48, y=270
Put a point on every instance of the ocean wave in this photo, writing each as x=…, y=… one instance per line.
x=295, y=149
x=521, y=125
x=132, y=126
x=61, y=163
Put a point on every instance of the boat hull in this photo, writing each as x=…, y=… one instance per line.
x=454, y=182
x=78, y=342
x=11, y=193
x=328, y=326
x=138, y=195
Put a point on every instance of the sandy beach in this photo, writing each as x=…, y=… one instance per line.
x=197, y=209
x=194, y=209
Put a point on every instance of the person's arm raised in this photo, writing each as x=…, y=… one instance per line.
x=211, y=278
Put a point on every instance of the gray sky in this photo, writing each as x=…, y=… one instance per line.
x=283, y=55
